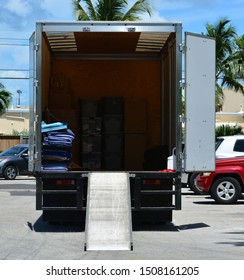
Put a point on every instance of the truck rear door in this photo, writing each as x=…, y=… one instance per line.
x=200, y=103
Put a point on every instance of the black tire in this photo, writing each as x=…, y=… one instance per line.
x=192, y=184
x=10, y=172
x=226, y=190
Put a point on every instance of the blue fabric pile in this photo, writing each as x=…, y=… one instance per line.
x=56, y=146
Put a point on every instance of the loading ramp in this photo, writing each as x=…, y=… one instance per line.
x=108, y=214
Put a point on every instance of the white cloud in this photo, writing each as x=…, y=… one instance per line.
x=19, y=7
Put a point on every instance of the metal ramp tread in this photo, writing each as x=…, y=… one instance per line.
x=108, y=212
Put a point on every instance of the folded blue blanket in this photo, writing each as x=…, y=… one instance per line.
x=63, y=138
x=57, y=143
x=67, y=133
x=53, y=166
x=56, y=153
x=53, y=126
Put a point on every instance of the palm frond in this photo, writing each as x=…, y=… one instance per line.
x=111, y=9
x=141, y=6
x=229, y=57
x=80, y=12
x=5, y=99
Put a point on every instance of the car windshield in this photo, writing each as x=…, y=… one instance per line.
x=13, y=151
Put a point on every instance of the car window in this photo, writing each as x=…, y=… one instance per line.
x=239, y=146
x=13, y=151
x=217, y=144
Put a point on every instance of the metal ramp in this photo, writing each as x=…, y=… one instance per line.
x=108, y=212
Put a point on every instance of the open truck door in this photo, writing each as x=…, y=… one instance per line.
x=200, y=103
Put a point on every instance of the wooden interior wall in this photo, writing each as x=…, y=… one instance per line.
x=129, y=79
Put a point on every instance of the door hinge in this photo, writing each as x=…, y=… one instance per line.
x=36, y=83
x=182, y=48
x=36, y=47
x=182, y=119
x=182, y=84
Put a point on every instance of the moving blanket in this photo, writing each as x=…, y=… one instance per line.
x=63, y=138
x=56, y=155
x=53, y=126
x=57, y=141
x=55, y=166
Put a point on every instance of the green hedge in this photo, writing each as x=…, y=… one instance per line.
x=227, y=130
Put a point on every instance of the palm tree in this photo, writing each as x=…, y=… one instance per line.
x=238, y=57
x=114, y=10
x=227, y=73
x=5, y=99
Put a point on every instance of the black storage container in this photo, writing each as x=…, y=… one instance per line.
x=89, y=108
x=112, y=124
x=112, y=105
x=113, y=161
x=91, y=143
x=91, y=160
x=92, y=125
x=113, y=142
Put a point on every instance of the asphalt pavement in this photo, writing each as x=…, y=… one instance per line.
x=202, y=230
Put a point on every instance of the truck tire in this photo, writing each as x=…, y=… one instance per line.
x=192, y=184
x=10, y=172
x=226, y=190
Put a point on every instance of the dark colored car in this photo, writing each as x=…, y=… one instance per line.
x=14, y=161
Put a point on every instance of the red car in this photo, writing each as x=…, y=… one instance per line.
x=226, y=183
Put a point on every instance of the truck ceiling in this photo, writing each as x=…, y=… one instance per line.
x=107, y=42
x=107, y=37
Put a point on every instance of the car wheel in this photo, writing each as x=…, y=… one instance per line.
x=226, y=190
x=10, y=172
x=193, y=185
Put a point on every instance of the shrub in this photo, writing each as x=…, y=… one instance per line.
x=227, y=130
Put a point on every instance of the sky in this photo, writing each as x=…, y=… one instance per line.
x=18, y=17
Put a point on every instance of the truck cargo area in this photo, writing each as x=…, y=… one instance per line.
x=116, y=90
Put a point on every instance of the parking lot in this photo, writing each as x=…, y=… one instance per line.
x=202, y=230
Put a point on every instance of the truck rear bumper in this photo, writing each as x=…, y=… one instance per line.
x=151, y=193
